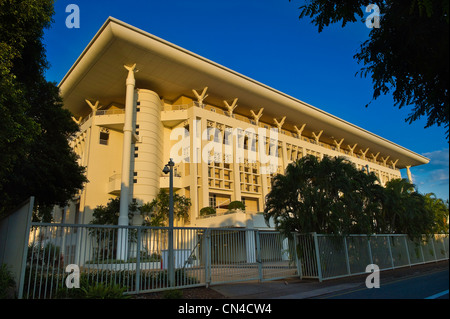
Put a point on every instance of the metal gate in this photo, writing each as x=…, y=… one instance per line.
x=247, y=254
x=202, y=257
x=278, y=256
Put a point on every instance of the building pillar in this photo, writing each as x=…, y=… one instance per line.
x=122, y=239
x=284, y=155
x=204, y=164
x=194, y=160
x=236, y=160
x=408, y=173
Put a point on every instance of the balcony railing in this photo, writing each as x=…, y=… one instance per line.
x=239, y=117
x=110, y=112
x=100, y=113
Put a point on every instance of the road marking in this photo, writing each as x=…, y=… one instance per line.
x=438, y=295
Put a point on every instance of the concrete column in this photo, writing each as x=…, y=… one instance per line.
x=408, y=173
x=122, y=242
x=263, y=173
x=284, y=154
x=204, y=166
x=126, y=151
x=194, y=160
x=236, y=166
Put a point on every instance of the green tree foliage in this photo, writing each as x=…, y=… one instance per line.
x=35, y=157
x=331, y=196
x=156, y=212
x=440, y=211
x=205, y=211
x=404, y=210
x=107, y=214
x=7, y=282
x=237, y=204
x=407, y=55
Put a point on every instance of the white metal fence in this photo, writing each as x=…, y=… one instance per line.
x=202, y=256
x=326, y=257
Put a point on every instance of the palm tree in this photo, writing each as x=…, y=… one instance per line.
x=328, y=196
x=405, y=211
x=439, y=210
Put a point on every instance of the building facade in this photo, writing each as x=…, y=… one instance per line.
x=140, y=100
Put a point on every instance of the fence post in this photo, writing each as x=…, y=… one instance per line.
x=21, y=281
x=421, y=250
x=443, y=244
x=407, y=250
x=390, y=250
x=316, y=247
x=258, y=255
x=370, y=249
x=207, y=254
x=347, y=260
x=434, y=249
x=299, y=264
x=138, y=261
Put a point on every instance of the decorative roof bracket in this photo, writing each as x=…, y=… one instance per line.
x=338, y=144
x=202, y=96
x=316, y=137
x=232, y=106
x=256, y=117
x=280, y=123
x=299, y=130
x=94, y=107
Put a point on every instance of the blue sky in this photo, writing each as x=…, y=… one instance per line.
x=265, y=40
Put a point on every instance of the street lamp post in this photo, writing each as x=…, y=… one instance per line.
x=170, y=264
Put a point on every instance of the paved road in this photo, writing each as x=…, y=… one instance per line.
x=420, y=281
x=433, y=285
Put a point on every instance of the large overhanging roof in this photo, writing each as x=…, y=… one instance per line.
x=171, y=71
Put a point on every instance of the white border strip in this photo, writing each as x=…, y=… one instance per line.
x=438, y=295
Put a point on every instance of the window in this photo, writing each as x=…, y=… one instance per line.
x=104, y=137
x=212, y=200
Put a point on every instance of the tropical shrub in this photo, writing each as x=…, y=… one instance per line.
x=205, y=211
x=236, y=205
x=332, y=196
x=7, y=282
x=329, y=196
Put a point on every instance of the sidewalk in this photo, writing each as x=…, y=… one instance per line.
x=295, y=288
